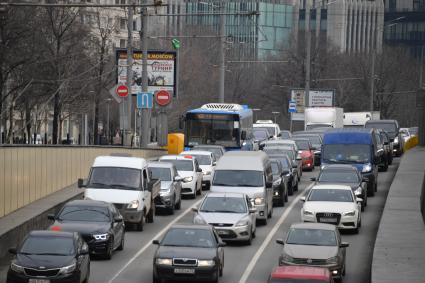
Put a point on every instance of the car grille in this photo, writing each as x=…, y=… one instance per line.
x=327, y=217
x=229, y=235
x=87, y=238
x=221, y=224
x=186, y=190
x=185, y=262
x=119, y=205
x=309, y=261
x=42, y=273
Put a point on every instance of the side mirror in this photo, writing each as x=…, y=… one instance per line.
x=302, y=199
x=82, y=183
x=314, y=179
x=118, y=219
x=155, y=242
x=364, y=179
x=84, y=250
x=252, y=210
x=269, y=184
x=243, y=135
x=13, y=251
x=344, y=245
x=181, y=122
x=214, y=163
x=221, y=244
x=280, y=242
x=51, y=216
x=178, y=178
x=195, y=209
x=199, y=170
x=261, y=146
x=285, y=172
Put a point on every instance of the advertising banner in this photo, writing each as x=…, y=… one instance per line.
x=161, y=70
x=321, y=98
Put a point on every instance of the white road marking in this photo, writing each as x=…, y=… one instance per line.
x=144, y=248
x=270, y=236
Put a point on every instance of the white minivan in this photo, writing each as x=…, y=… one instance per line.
x=247, y=172
x=207, y=162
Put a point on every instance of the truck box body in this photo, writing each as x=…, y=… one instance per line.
x=359, y=119
x=327, y=117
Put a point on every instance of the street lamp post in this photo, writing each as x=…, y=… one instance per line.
x=108, y=133
x=275, y=114
x=255, y=115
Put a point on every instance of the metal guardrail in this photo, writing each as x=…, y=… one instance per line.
x=28, y=173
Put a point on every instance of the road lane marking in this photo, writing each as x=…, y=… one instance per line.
x=144, y=248
x=269, y=237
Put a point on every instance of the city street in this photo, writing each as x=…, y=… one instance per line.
x=250, y=264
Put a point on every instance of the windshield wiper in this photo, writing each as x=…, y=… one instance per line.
x=51, y=254
x=220, y=184
x=99, y=184
x=123, y=187
x=227, y=211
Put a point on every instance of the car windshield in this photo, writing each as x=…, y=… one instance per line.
x=84, y=213
x=238, y=178
x=313, y=139
x=290, y=280
x=285, y=135
x=186, y=237
x=216, y=151
x=48, y=245
x=333, y=195
x=276, y=150
x=260, y=134
x=346, y=153
x=313, y=237
x=270, y=130
x=163, y=174
x=181, y=165
x=115, y=178
x=284, y=161
x=388, y=127
x=338, y=176
x=275, y=168
x=302, y=145
x=224, y=205
x=202, y=159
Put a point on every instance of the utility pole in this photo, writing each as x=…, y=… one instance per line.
x=146, y=113
x=128, y=100
x=308, y=52
x=372, y=80
x=222, y=52
x=421, y=68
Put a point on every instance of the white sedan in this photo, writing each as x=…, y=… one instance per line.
x=206, y=160
x=332, y=204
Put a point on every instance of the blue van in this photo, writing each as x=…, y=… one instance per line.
x=355, y=146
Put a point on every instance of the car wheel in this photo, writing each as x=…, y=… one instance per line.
x=110, y=250
x=262, y=221
x=221, y=269
x=121, y=246
x=296, y=187
x=179, y=204
x=141, y=224
x=87, y=279
x=286, y=196
x=151, y=214
x=270, y=214
x=254, y=233
x=281, y=200
x=172, y=206
x=216, y=276
x=386, y=165
x=194, y=194
x=375, y=186
x=371, y=190
x=156, y=279
x=249, y=241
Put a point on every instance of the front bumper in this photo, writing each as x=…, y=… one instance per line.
x=164, y=201
x=131, y=216
x=240, y=233
x=308, y=163
x=335, y=269
x=189, y=188
x=13, y=277
x=200, y=273
x=342, y=222
x=261, y=213
x=97, y=247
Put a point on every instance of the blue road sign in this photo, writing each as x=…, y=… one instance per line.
x=144, y=100
x=292, y=106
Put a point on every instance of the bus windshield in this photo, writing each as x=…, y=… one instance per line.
x=217, y=129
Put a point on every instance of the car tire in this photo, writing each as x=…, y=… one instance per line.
x=371, y=192
x=375, y=186
x=151, y=215
x=296, y=187
x=141, y=224
x=179, y=204
x=254, y=233
x=281, y=200
x=286, y=196
x=173, y=206
x=262, y=221
x=194, y=194
x=221, y=269
x=216, y=276
x=270, y=214
x=291, y=190
x=109, y=252
x=249, y=241
x=156, y=279
x=121, y=246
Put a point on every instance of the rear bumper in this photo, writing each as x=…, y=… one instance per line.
x=201, y=273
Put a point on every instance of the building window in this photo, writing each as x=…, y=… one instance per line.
x=123, y=24
x=123, y=43
x=418, y=5
x=117, y=2
x=123, y=2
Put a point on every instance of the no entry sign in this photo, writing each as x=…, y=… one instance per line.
x=122, y=91
x=162, y=97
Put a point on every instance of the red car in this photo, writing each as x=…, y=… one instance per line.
x=304, y=274
x=305, y=149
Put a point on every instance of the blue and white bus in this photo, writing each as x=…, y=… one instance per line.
x=229, y=125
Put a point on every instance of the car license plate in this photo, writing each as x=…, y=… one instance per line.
x=39, y=281
x=328, y=220
x=184, y=271
x=223, y=232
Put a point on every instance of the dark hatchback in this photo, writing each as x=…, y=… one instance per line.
x=100, y=224
x=281, y=183
x=189, y=253
x=50, y=257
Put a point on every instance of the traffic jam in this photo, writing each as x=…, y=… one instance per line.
x=240, y=171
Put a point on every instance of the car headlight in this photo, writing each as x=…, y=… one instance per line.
x=101, y=237
x=308, y=212
x=242, y=222
x=277, y=182
x=68, y=269
x=164, y=261
x=286, y=258
x=133, y=204
x=188, y=179
x=199, y=220
x=349, y=213
x=258, y=201
x=332, y=260
x=16, y=268
x=358, y=191
x=367, y=168
x=206, y=263
x=396, y=140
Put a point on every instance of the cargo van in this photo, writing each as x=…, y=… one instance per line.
x=355, y=146
x=247, y=172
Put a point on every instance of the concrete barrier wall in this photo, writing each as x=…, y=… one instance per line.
x=28, y=173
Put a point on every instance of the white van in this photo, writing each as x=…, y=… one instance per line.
x=247, y=172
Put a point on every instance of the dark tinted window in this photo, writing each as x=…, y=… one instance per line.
x=238, y=178
x=316, y=237
x=303, y=145
x=84, y=213
x=333, y=195
x=115, y=177
x=224, y=205
x=260, y=134
x=163, y=174
x=339, y=176
x=181, y=165
x=346, y=153
x=202, y=159
x=186, y=237
x=285, y=135
x=275, y=168
x=216, y=151
x=48, y=245
x=270, y=130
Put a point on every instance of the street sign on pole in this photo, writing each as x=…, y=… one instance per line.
x=114, y=95
x=122, y=91
x=292, y=106
x=162, y=97
x=145, y=100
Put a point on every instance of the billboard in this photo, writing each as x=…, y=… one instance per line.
x=161, y=70
x=316, y=98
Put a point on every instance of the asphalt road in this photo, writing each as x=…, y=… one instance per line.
x=250, y=264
